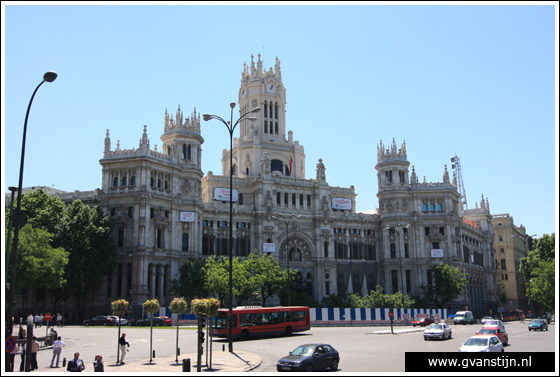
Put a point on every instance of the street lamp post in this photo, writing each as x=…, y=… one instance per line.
x=231, y=127
x=287, y=220
x=524, y=239
x=398, y=228
x=18, y=215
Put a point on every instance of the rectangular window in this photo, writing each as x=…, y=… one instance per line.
x=121, y=237
x=503, y=264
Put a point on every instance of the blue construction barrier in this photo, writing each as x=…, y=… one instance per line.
x=370, y=316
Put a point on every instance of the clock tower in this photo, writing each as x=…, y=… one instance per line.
x=267, y=134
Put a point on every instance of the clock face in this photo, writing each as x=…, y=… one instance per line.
x=271, y=88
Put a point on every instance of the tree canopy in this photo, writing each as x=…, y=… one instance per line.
x=538, y=271
x=447, y=283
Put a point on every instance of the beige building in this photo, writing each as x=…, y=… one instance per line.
x=165, y=209
x=511, y=244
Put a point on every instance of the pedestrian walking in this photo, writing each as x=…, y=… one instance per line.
x=22, y=365
x=76, y=364
x=98, y=364
x=41, y=320
x=57, y=349
x=34, y=350
x=58, y=319
x=123, y=344
x=12, y=359
x=36, y=320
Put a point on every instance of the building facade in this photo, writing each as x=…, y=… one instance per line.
x=512, y=244
x=165, y=209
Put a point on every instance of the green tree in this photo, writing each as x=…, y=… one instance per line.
x=543, y=287
x=86, y=233
x=39, y=265
x=447, y=284
x=266, y=275
x=536, y=269
x=43, y=211
x=334, y=301
x=216, y=271
x=191, y=281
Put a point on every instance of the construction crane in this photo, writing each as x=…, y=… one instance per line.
x=460, y=187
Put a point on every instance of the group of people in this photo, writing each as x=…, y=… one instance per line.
x=38, y=320
x=74, y=365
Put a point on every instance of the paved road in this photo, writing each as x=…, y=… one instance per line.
x=361, y=350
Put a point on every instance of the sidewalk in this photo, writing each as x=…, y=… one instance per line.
x=398, y=330
x=222, y=362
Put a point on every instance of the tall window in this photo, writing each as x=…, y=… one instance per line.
x=185, y=242
x=389, y=176
x=124, y=181
x=406, y=250
x=503, y=264
x=121, y=237
x=393, y=251
x=395, y=281
x=133, y=180
x=116, y=182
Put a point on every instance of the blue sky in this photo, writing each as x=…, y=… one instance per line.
x=476, y=81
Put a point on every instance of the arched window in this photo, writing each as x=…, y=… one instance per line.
x=432, y=207
x=500, y=238
x=439, y=207
x=293, y=200
x=189, y=152
x=133, y=180
x=159, y=183
x=278, y=198
x=424, y=207
x=124, y=181
x=151, y=181
x=286, y=199
x=276, y=165
x=166, y=185
x=116, y=182
x=184, y=155
x=234, y=170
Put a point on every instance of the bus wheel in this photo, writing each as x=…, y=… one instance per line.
x=288, y=331
x=244, y=335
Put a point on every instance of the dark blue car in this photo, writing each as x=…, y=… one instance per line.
x=538, y=324
x=309, y=358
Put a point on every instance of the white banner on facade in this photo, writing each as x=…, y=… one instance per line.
x=437, y=253
x=269, y=247
x=222, y=194
x=341, y=203
x=187, y=217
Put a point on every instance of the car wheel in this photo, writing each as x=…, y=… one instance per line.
x=334, y=366
x=244, y=335
x=309, y=367
x=450, y=335
x=425, y=338
x=87, y=324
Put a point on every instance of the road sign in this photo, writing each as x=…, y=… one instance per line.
x=391, y=314
x=11, y=343
x=48, y=317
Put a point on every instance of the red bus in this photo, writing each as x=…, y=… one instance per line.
x=262, y=321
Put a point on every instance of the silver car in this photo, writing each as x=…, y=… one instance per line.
x=437, y=331
x=482, y=343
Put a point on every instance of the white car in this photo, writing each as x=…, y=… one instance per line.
x=437, y=331
x=116, y=319
x=483, y=320
x=482, y=343
x=494, y=323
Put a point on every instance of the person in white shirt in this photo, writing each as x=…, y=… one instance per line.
x=57, y=349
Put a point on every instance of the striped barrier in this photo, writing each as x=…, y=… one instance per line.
x=370, y=316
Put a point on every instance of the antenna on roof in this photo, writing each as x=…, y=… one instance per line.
x=460, y=187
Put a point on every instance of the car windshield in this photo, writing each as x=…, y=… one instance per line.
x=460, y=316
x=435, y=327
x=537, y=321
x=477, y=342
x=492, y=322
x=303, y=351
x=487, y=331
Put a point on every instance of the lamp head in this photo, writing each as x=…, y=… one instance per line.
x=50, y=76
x=206, y=117
x=232, y=105
x=252, y=119
x=255, y=110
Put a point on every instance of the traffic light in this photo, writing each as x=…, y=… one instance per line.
x=201, y=337
x=203, y=320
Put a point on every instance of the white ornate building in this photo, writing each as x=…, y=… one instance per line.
x=165, y=209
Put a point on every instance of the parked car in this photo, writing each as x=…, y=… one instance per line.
x=538, y=324
x=482, y=343
x=487, y=318
x=437, y=331
x=462, y=318
x=130, y=321
x=422, y=322
x=494, y=323
x=309, y=358
x=100, y=320
x=167, y=320
x=157, y=322
x=123, y=320
x=498, y=331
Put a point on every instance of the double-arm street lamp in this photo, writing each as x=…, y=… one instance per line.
x=231, y=127
x=398, y=229
x=524, y=239
x=287, y=220
x=19, y=217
